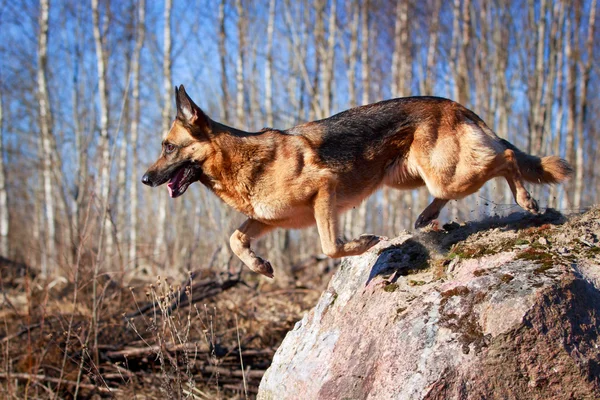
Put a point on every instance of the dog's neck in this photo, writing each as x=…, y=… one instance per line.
x=231, y=162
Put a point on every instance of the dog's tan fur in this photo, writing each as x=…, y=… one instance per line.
x=305, y=175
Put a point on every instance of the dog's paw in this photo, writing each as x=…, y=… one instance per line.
x=369, y=241
x=424, y=221
x=529, y=203
x=262, y=267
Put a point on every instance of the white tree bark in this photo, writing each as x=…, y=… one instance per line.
x=135, y=120
x=161, y=240
x=49, y=256
x=352, y=54
x=364, y=52
x=269, y=65
x=536, y=116
x=239, y=70
x=434, y=32
x=223, y=62
x=571, y=105
x=103, y=184
x=4, y=244
x=585, y=68
x=553, y=200
x=328, y=56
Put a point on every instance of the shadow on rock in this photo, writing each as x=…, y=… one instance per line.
x=400, y=260
x=454, y=233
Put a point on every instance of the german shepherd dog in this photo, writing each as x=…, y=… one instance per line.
x=313, y=172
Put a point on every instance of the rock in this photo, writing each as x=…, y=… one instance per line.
x=454, y=315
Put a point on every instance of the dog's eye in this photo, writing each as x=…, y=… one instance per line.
x=169, y=148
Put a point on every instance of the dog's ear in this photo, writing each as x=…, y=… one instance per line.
x=187, y=111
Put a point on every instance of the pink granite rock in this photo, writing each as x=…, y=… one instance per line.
x=497, y=315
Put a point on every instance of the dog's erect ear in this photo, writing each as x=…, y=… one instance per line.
x=187, y=111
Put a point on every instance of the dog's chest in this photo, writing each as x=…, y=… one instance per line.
x=268, y=210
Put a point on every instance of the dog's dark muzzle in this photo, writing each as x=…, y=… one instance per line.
x=147, y=179
x=155, y=178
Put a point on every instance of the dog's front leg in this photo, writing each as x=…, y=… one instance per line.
x=327, y=224
x=240, y=245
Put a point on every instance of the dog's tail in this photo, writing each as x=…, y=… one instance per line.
x=551, y=169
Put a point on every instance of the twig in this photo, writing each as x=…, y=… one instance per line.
x=142, y=351
x=21, y=332
x=39, y=377
x=237, y=328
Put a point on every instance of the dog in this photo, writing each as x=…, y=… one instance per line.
x=313, y=172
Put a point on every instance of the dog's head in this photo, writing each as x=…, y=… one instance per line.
x=184, y=148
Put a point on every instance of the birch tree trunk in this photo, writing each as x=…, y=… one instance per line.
x=353, y=10
x=80, y=146
x=329, y=56
x=161, y=234
x=223, y=62
x=557, y=138
x=454, y=49
x=122, y=174
x=352, y=54
x=103, y=184
x=571, y=103
x=135, y=120
x=434, y=32
x=364, y=52
x=361, y=224
x=45, y=120
x=535, y=114
x=4, y=244
x=269, y=65
x=585, y=72
x=239, y=70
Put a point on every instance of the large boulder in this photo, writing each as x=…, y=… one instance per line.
x=501, y=309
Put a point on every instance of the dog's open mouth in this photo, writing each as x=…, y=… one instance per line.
x=182, y=179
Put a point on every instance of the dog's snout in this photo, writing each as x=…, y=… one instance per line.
x=146, y=179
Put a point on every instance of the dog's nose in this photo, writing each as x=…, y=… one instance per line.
x=146, y=179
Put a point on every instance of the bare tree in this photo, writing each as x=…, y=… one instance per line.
x=269, y=65
x=223, y=62
x=585, y=68
x=361, y=224
x=352, y=53
x=401, y=53
x=103, y=184
x=571, y=67
x=167, y=93
x=328, y=55
x=535, y=110
x=45, y=120
x=434, y=33
x=239, y=65
x=81, y=144
x=4, y=244
x=135, y=121
x=364, y=52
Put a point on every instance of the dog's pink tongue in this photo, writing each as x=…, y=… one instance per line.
x=173, y=184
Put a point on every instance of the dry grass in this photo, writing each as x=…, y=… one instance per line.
x=149, y=341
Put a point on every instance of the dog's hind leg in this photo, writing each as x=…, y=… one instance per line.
x=240, y=245
x=325, y=212
x=431, y=212
x=511, y=172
